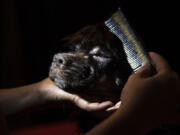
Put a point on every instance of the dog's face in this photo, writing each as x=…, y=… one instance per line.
x=92, y=68
x=79, y=68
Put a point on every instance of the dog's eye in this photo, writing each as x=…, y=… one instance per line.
x=95, y=51
x=100, y=53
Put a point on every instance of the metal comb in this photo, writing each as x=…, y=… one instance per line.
x=119, y=26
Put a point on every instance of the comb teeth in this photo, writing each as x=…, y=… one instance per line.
x=120, y=27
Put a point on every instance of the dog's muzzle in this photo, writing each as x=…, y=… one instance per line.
x=69, y=70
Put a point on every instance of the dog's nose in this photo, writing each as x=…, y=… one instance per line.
x=64, y=60
x=60, y=61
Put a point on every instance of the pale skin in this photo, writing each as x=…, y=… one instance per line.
x=147, y=101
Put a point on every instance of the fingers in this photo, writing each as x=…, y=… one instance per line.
x=60, y=94
x=159, y=62
x=115, y=107
x=85, y=105
x=145, y=70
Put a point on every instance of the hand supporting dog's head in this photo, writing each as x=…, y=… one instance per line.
x=92, y=61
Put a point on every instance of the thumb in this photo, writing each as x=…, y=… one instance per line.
x=145, y=71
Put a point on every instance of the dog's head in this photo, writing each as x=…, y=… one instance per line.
x=92, y=61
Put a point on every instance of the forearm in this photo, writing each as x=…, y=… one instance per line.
x=17, y=99
x=119, y=124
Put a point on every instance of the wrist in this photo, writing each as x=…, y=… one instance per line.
x=139, y=123
x=39, y=92
x=45, y=88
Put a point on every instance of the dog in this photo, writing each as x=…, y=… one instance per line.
x=91, y=63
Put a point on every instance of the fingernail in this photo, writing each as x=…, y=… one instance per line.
x=109, y=109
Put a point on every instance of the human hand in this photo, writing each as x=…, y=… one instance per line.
x=152, y=100
x=50, y=92
x=147, y=101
